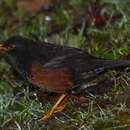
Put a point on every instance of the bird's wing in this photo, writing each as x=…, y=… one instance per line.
x=57, y=62
x=84, y=68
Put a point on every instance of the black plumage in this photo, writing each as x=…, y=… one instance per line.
x=81, y=65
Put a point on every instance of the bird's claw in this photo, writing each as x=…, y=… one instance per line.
x=50, y=113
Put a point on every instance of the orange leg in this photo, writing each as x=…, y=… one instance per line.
x=55, y=108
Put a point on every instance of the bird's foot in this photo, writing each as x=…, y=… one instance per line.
x=59, y=109
x=51, y=112
x=55, y=108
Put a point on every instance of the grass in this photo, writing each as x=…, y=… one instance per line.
x=111, y=41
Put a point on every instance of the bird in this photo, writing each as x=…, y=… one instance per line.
x=55, y=68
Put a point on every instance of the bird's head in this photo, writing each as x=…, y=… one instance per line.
x=16, y=43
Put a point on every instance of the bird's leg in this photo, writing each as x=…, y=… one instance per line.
x=55, y=108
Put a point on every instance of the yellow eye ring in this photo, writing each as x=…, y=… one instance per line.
x=11, y=47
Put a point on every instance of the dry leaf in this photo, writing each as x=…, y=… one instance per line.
x=35, y=5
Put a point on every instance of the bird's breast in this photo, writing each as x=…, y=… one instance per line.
x=54, y=80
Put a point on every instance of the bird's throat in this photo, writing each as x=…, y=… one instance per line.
x=22, y=64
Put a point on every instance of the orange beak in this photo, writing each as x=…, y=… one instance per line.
x=2, y=48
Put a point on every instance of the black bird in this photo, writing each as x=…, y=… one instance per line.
x=55, y=68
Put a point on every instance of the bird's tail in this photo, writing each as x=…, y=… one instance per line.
x=109, y=64
x=98, y=66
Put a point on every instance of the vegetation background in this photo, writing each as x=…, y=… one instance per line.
x=101, y=27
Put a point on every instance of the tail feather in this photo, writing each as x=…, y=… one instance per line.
x=96, y=67
x=108, y=64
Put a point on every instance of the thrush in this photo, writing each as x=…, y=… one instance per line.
x=55, y=68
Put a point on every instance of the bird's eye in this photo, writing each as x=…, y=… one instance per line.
x=11, y=47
